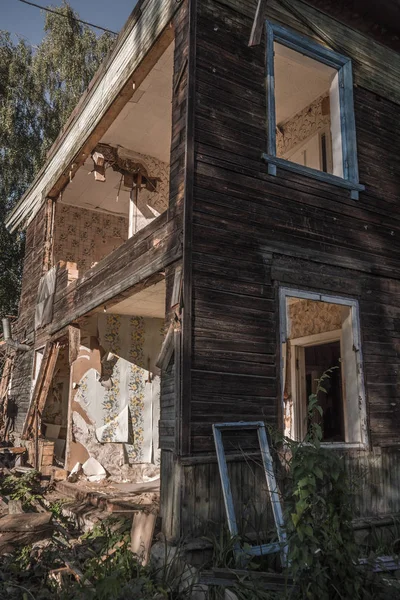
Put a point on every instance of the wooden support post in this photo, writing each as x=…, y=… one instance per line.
x=133, y=205
x=36, y=435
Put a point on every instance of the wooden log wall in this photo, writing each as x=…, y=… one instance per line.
x=253, y=232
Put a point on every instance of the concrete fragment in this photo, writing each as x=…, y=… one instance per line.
x=76, y=471
x=93, y=470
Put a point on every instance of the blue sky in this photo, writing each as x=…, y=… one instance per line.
x=27, y=21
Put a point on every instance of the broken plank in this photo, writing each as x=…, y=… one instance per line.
x=167, y=349
x=258, y=23
x=142, y=532
x=42, y=387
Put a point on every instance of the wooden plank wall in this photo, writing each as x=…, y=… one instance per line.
x=253, y=232
x=374, y=476
x=143, y=255
x=23, y=329
x=169, y=403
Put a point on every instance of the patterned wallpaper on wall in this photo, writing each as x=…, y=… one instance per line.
x=127, y=409
x=301, y=126
x=309, y=317
x=86, y=236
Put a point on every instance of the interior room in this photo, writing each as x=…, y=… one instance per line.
x=124, y=184
x=320, y=342
x=115, y=401
x=307, y=111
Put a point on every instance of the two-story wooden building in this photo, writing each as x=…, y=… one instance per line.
x=229, y=185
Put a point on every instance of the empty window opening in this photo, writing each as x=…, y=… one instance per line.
x=307, y=111
x=318, y=335
x=310, y=110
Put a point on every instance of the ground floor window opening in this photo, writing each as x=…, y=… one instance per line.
x=320, y=332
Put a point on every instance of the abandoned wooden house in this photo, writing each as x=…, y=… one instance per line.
x=214, y=227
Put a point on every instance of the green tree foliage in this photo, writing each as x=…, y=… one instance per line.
x=39, y=88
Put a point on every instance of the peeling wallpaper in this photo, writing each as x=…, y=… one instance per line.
x=122, y=403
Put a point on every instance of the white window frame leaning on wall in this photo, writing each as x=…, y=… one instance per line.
x=354, y=400
x=302, y=44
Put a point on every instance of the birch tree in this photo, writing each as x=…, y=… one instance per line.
x=39, y=88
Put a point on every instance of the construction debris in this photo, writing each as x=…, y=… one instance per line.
x=24, y=529
x=93, y=470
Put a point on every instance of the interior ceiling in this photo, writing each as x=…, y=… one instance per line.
x=150, y=302
x=144, y=124
x=106, y=196
x=299, y=80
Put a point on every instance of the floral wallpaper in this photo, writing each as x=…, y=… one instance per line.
x=137, y=387
x=111, y=407
x=131, y=390
x=86, y=236
x=302, y=126
x=308, y=317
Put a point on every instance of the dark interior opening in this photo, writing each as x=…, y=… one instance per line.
x=317, y=360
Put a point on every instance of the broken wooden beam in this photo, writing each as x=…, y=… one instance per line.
x=142, y=533
x=24, y=529
x=167, y=350
x=258, y=23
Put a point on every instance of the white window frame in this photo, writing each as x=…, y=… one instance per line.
x=302, y=44
x=296, y=429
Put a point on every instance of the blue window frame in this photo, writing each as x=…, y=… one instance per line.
x=299, y=43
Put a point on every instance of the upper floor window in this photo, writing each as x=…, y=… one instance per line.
x=311, y=128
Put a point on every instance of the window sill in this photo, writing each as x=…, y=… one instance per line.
x=274, y=162
x=345, y=445
x=341, y=445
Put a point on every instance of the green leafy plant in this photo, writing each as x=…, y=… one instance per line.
x=322, y=553
x=25, y=488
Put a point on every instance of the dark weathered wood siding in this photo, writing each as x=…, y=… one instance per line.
x=170, y=394
x=23, y=330
x=253, y=232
